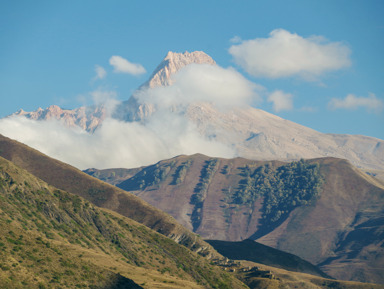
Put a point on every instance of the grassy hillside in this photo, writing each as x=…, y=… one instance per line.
x=323, y=210
x=54, y=239
x=70, y=179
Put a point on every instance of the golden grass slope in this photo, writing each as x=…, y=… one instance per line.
x=54, y=239
x=70, y=179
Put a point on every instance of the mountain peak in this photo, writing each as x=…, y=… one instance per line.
x=172, y=63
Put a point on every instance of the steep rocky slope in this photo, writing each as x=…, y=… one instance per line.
x=339, y=226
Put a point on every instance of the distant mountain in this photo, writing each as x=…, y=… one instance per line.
x=88, y=118
x=324, y=210
x=252, y=133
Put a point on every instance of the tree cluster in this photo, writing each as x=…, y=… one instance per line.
x=284, y=188
x=181, y=172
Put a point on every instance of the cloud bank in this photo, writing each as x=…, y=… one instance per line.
x=352, y=102
x=286, y=54
x=115, y=143
x=122, y=65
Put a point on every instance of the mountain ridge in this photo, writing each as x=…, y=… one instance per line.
x=325, y=230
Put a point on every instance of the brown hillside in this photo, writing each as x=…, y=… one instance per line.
x=341, y=228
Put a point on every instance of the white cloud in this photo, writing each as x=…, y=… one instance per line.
x=100, y=72
x=286, y=54
x=115, y=143
x=224, y=87
x=352, y=102
x=122, y=65
x=281, y=100
x=106, y=98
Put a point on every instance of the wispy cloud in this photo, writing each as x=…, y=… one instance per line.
x=235, y=39
x=100, y=72
x=286, y=54
x=353, y=102
x=122, y=65
x=281, y=100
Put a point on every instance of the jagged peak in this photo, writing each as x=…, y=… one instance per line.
x=173, y=62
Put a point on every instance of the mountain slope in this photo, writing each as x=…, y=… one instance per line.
x=339, y=225
x=52, y=238
x=68, y=178
x=259, y=135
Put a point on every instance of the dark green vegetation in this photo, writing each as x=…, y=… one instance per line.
x=324, y=210
x=283, y=189
x=200, y=191
x=47, y=234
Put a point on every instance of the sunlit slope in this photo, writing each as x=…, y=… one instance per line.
x=51, y=239
x=335, y=221
x=66, y=177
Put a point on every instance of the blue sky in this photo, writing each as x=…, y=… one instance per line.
x=49, y=51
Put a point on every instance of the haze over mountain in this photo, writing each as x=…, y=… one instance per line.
x=189, y=105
